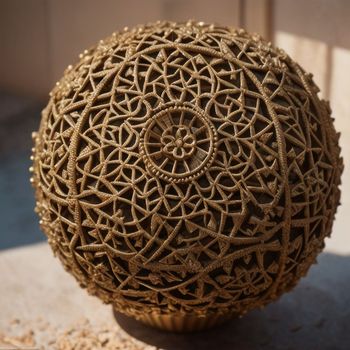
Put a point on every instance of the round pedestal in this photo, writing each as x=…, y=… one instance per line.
x=183, y=323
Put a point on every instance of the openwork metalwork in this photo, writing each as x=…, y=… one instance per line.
x=186, y=172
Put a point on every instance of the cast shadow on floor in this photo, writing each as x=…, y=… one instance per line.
x=315, y=315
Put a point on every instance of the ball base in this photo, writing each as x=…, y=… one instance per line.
x=182, y=323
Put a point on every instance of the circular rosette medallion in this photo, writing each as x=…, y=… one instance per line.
x=178, y=143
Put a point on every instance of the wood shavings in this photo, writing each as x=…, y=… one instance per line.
x=39, y=334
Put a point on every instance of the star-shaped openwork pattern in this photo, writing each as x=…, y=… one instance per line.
x=186, y=168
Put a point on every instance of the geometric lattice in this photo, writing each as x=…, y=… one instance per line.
x=186, y=168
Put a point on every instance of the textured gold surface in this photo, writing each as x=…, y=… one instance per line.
x=187, y=171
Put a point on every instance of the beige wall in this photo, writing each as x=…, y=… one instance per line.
x=39, y=38
x=24, y=61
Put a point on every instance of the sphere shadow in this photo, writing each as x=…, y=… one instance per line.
x=313, y=316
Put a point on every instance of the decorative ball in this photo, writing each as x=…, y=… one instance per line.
x=186, y=173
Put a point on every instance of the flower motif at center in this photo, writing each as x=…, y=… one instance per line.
x=178, y=142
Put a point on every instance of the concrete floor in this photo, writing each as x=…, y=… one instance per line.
x=315, y=315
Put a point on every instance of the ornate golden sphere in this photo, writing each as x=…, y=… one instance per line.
x=186, y=173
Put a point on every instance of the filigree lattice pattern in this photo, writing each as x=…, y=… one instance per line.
x=186, y=168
